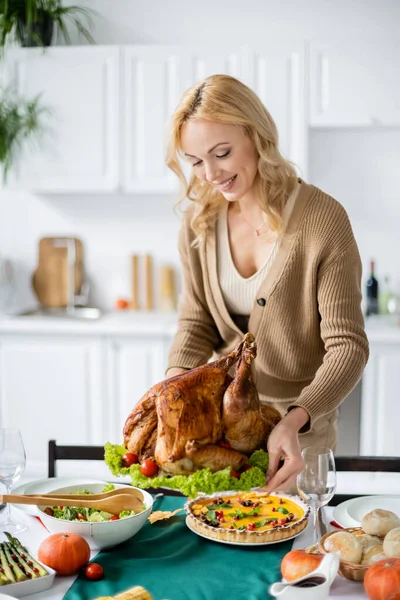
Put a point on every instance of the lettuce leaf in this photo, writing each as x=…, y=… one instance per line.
x=112, y=455
x=203, y=480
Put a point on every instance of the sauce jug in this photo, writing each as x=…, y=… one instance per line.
x=314, y=586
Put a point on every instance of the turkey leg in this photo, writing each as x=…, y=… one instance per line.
x=243, y=422
x=214, y=457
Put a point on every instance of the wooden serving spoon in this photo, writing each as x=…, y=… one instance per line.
x=110, y=493
x=114, y=504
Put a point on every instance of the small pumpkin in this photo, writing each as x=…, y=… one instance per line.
x=66, y=553
x=298, y=563
x=382, y=580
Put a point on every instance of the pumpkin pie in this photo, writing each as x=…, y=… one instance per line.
x=247, y=517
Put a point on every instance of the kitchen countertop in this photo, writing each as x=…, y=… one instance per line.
x=379, y=329
x=114, y=323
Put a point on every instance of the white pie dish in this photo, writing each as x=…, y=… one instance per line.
x=243, y=537
x=98, y=535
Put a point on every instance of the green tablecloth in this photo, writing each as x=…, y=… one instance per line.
x=173, y=563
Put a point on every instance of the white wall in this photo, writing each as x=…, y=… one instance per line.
x=360, y=167
x=357, y=167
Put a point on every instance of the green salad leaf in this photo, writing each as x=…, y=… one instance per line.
x=80, y=513
x=203, y=480
x=259, y=458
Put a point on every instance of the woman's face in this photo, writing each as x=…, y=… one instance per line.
x=221, y=154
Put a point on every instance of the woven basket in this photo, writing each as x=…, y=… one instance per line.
x=349, y=570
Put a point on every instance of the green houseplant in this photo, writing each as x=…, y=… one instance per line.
x=31, y=22
x=19, y=120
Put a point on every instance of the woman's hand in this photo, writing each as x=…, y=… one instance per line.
x=174, y=371
x=283, y=444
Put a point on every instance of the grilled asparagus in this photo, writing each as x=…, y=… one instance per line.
x=23, y=553
x=16, y=564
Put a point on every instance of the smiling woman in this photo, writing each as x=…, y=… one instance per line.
x=263, y=251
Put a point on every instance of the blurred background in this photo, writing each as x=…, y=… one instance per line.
x=89, y=268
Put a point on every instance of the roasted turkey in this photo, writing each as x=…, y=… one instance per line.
x=180, y=421
x=246, y=423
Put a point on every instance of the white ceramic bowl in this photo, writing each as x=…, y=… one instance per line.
x=98, y=535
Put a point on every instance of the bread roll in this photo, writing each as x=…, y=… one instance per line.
x=380, y=522
x=372, y=555
x=368, y=540
x=391, y=543
x=346, y=545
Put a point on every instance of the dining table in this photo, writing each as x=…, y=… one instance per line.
x=36, y=532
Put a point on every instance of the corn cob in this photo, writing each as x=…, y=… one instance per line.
x=135, y=593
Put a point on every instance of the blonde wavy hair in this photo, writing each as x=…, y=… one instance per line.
x=225, y=99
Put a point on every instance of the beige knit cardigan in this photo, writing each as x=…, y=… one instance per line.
x=309, y=331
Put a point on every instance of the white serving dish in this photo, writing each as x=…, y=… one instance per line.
x=98, y=535
x=30, y=586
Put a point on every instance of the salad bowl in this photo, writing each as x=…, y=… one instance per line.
x=98, y=533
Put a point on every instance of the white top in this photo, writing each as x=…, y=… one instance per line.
x=239, y=292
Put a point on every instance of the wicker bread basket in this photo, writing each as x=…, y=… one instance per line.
x=349, y=570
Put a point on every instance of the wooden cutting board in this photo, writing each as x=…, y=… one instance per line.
x=50, y=279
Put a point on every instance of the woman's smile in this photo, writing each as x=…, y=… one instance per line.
x=226, y=185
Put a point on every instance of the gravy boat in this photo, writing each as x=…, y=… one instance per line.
x=314, y=586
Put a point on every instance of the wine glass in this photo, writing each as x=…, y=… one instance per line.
x=12, y=465
x=316, y=484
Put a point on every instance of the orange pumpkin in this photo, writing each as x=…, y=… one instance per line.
x=382, y=580
x=66, y=553
x=298, y=563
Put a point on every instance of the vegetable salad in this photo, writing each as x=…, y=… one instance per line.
x=72, y=513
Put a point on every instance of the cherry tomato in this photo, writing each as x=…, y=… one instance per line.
x=149, y=468
x=235, y=473
x=121, y=303
x=94, y=572
x=114, y=518
x=81, y=517
x=129, y=459
x=224, y=444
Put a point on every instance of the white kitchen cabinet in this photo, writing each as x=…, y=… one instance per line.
x=354, y=83
x=51, y=388
x=109, y=108
x=380, y=401
x=78, y=150
x=134, y=365
x=277, y=75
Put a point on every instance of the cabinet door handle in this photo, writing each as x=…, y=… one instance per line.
x=323, y=83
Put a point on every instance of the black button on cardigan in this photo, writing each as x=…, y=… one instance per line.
x=261, y=301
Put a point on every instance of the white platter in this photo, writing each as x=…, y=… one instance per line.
x=243, y=544
x=359, y=507
x=351, y=512
x=30, y=586
x=341, y=516
x=43, y=486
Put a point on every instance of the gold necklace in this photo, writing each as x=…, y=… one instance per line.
x=256, y=230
